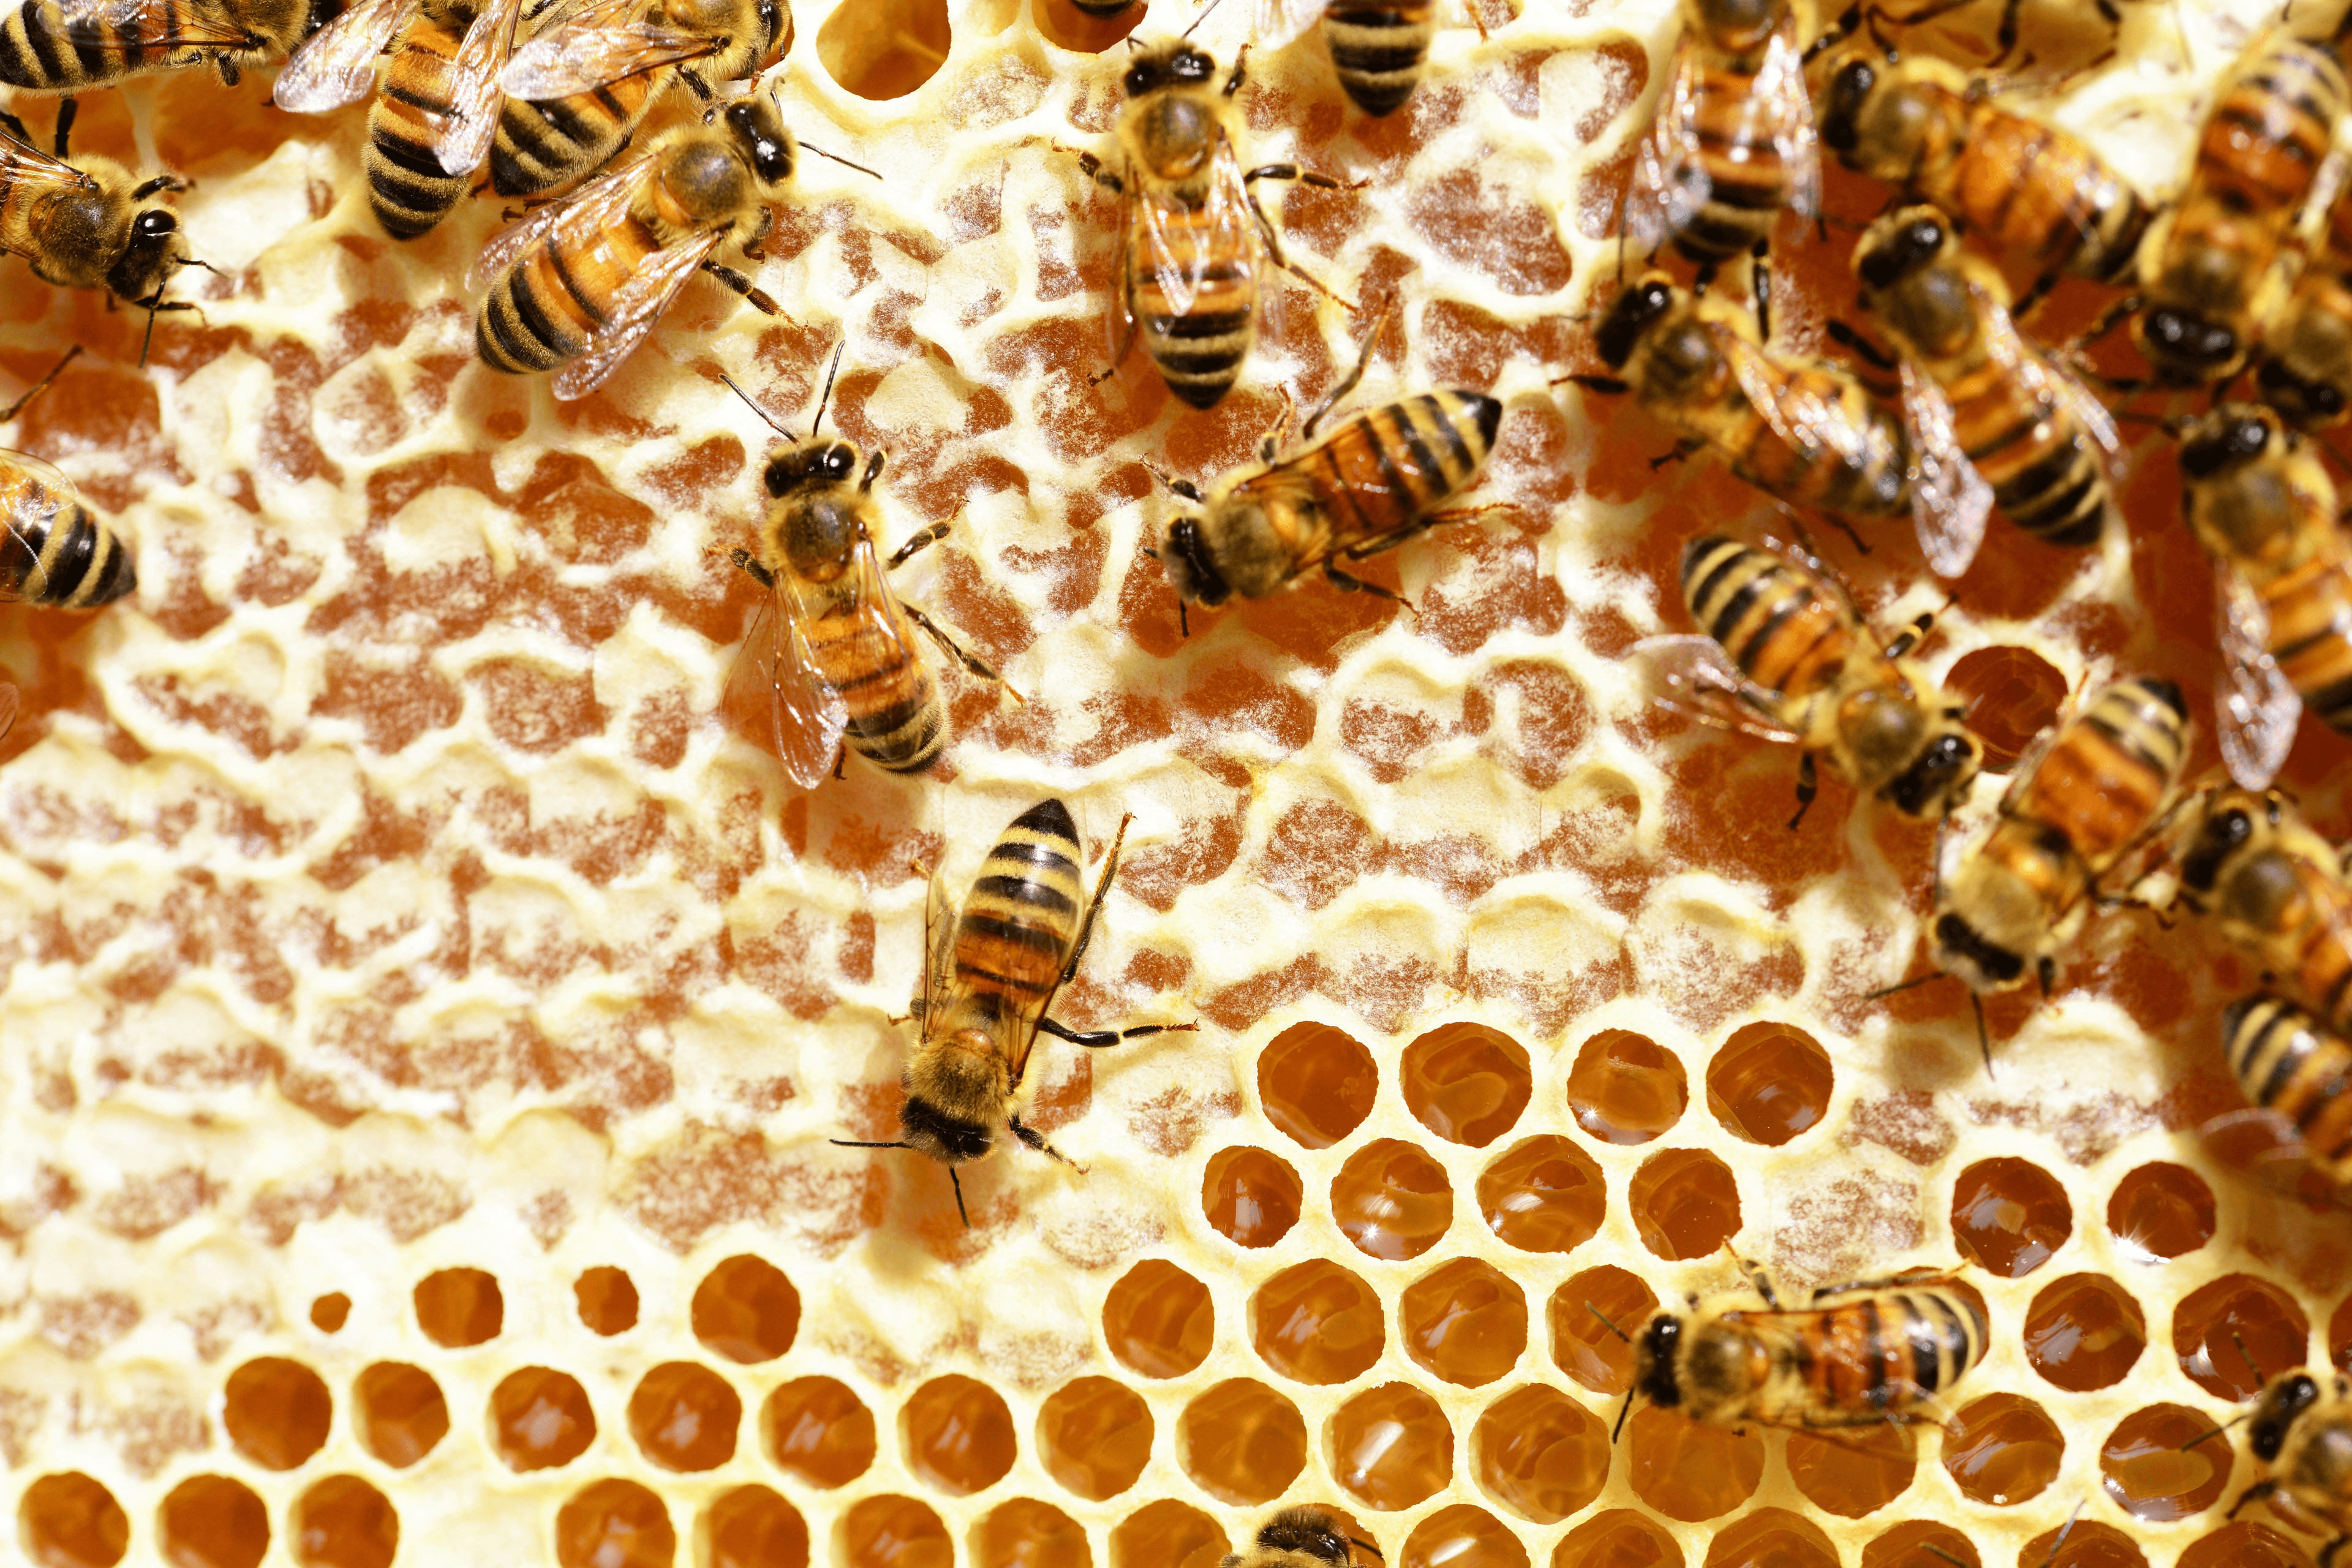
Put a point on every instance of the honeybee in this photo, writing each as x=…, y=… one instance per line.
x=577, y=284
x=57, y=553
x=2029, y=190
x=1300, y=1537
x=64, y=46
x=2301, y=1431
x=1188, y=251
x=1989, y=416
x=991, y=976
x=2306, y=368
x=438, y=109
x=838, y=660
x=1378, y=48
x=2277, y=890
x=2258, y=497
x=78, y=222
x=577, y=91
x=2291, y=1066
x=1801, y=429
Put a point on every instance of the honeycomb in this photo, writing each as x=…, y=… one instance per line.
x=426, y=1021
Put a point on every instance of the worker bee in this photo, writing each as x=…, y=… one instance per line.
x=2277, y=890
x=989, y=977
x=1989, y=416
x=2301, y=1431
x=577, y=284
x=78, y=222
x=1301, y=1537
x=2306, y=368
x=832, y=657
x=2291, y=1066
x=1378, y=48
x=577, y=91
x=2026, y=189
x=1786, y=660
x=1801, y=429
x=2257, y=496
x=57, y=553
x=436, y=111
x=64, y=46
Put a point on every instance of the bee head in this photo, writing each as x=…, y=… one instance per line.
x=2185, y=347
x=1176, y=64
x=1309, y=1530
x=932, y=1131
x=2219, y=836
x=2281, y=1402
x=1979, y=961
x=758, y=127
x=1898, y=246
x=1849, y=88
x=1939, y=776
x=1629, y=318
x=2224, y=439
x=155, y=248
x=2309, y=401
x=1191, y=565
x=1653, y=1371
x=815, y=464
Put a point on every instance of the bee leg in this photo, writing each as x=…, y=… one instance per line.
x=1036, y=1140
x=1682, y=448
x=970, y=661
x=68, y=108
x=1347, y=584
x=1093, y=169
x=2255, y=1493
x=14, y=127
x=1348, y=383
x=752, y=297
x=920, y=543
x=1605, y=385
x=754, y=569
x=1126, y=347
x=1233, y=82
x=1912, y=635
x=1809, y=784
x=1096, y=1039
x=840, y=759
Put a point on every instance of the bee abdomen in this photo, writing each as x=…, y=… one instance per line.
x=2104, y=778
x=531, y=322
x=2311, y=637
x=1199, y=349
x=1386, y=470
x=71, y=562
x=1886, y=1352
x=1748, y=180
x=33, y=55
x=1022, y=915
x=543, y=144
x=1769, y=616
x=406, y=185
x=1378, y=50
x=2286, y=1062
x=897, y=720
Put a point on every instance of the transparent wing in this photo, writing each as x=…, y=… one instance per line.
x=1800, y=413
x=1781, y=98
x=472, y=123
x=29, y=169
x=636, y=309
x=336, y=65
x=37, y=494
x=1277, y=22
x=2264, y=1147
x=776, y=699
x=1669, y=184
x=584, y=55
x=1949, y=500
x=592, y=208
x=1180, y=247
x=2254, y=707
x=1693, y=677
x=156, y=24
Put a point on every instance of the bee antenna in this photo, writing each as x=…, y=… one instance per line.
x=1622, y=1411
x=855, y=1144
x=1902, y=985
x=1203, y=16
x=1934, y=1550
x=148, y=339
x=192, y=261
x=1984, y=1036
x=765, y=418
x=957, y=1183
x=1605, y=1318
x=810, y=147
x=2214, y=1431
x=2064, y=1530
x=32, y=392
x=830, y=372
x=1359, y=1541
x=2247, y=1356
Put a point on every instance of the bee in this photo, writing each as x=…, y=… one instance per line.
x=2258, y=497
x=79, y=222
x=1301, y=1537
x=64, y=46
x=1188, y=253
x=2301, y=1431
x=837, y=661
x=577, y=284
x=1801, y=429
x=2292, y=1065
x=1989, y=417
x=577, y=91
x=2027, y=190
x=991, y=976
x=2306, y=367
x=436, y=111
x=2277, y=890
x=1786, y=660
x=1378, y=48
x=57, y=553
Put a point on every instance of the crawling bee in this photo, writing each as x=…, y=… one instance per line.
x=2292, y=1067
x=58, y=553
x=989, y=980
x=2307, y=366
x=1378, y=48
x=2301, y=1433
x=2276, y=890
x=1301, y=1537
x=65, y=46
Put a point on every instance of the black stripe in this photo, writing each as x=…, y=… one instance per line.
x=2283, y=1070
x=70, y=554
x=1926, y=1353
x=117, y=577
x=1724, y=615
x=1875, y=1347
x=1018, y=932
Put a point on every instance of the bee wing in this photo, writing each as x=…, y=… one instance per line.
x=596, y=49
x=1175, y=250
x=1800, y=416
x=2254, y=707
x=30, y=168
x=589, y=210
x=336, y=65
x=635, y=307
x=2264, y=1147
x=475, y=98
x=1693, y=677
x=104, y=25
x=1781, y=98
x=39, y=492
x=776, y=699
x=1949, y=500
x=1669, y=184
x=1280, y=21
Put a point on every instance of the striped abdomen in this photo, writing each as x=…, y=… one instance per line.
x=1198, y=341
x=1858, y=1358
x=1816, y=474
x=1748, y=181
x=544, y=145
x=2269, y=132
x=65, y=558
x=2287, y=1062
x=2047, y=474
x=2103, y=780
x=1778, y=625
x=540, y=314
x=1379, y=476
x=867, y=656
x=1017, y=927
x=1379, y=49
x=35, y=54
x=406, y=185
x=2311, y=633
x=2033, y=190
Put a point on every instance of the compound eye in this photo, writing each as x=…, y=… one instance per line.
x=2248, y=437
x=1140, y=80
x=780, y=475
x=838, y=461
x=150, y=224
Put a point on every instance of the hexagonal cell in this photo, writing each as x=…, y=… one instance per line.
x=1687, y=1471
x=893, y=1533
x=1915, y=1544
x=1770, y=1082
x=1626, y=1088
x=956, y=1434
x=887, y=50
x=397, y=1411
x=214, y=1522
x=1242, y=1442
x=1064, y=26
x=1393, y=1200
x=2083, y=1331
x=1770, y=1537
x=2219, y=1326
x=607, y=1299
x=2003, y=1449
x=1094, y=1436
x=1620, y=1538
x=70, y=1521
x=1167, y=1534
x=1543, y=1194
x=1462, y=1536
x=820, y=1431
x=1159, y=1321
x=1597, y=1355
x=2011, y=695
x=2160, y=1211
x=685, y=1417
x=1315, y=1084
x=752, y=1527
x=1467, y=1083
x=1317, y=1322
x=1540, y=1454
x=343, y=1523
x=1025, y=1534
x=1390, y=1447
x=1855, y=1472
x=1251, y=1197
x=746, y=1311
x=1686, y=1203
x=2088, y=1544
x=459, y=1306
x=331, y=1311
x=539, y=1418
x=1465, y=1320
x=614, y=1524
x=277, y=1411
x=2155, y=1468
x=2244, y=1544
x=2009, y=1216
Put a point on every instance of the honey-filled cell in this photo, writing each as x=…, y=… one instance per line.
x=1854, y=1472
x=1689, y=1471
x=2155, y=1468
x=1463, y=1321
x=1769, y=1082
x=1461, y=1535
x=615, y=1523
x=2161, y=1211
x=2011, y=694
x=2009, y=1216
x=2083, y=1331
x=607, y=1300
x=70, y=1521
x=893, y=1533
x=1159, y=1321
x=1626, y=1088
x=277, y=1411
x=459, y=1306
x=1393, y=1200
x=1250, y=1197
x=1467, y=1083
x=2083, y=1543
x=1317, y=1084
x=2002, y=1449
x=751, y=1527
x=1684, y=1202
x=1392, y=1447
x=820, y=1431
x=1168, y=1534
x=2244, y=1544
x=539, y=1419
x=1540, y=1454
x=343, y=1523
x=2236, y=1333
x=685, y=1417
x=956, y=1434
x=1620, y=1538
x=1770, y=1537
x=1094, y=1436
x=1026, y=1533
x=398, y=1413
x=212, y=1521
x=1543, y=1194
x=1064, y=26
x=1242, y=1443
x=1317, y=1322
x=1595, y=1317
x=746, y=1311
x=1921, y=1543
x=331, y=1311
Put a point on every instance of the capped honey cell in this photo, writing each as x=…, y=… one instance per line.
x=1467, y=1083
x=1166, y=1533
x=746, y=1311
x=956, y=1434
x=819, y=1430
x=1240, y=1442
x=1393, y=1200
x=1026, y=1533
x=71, y=1520
x=1317, y=1322
x=892, y=1531
x=214, y=1522
x=459, y=1306
x=1626, y=1088
x=1250, y=1197
x=1617, y=1538
x=343, y=1523
x=752, y=1527
x=1159, y=1321
x=1392, y=1447
x=2009, y=1216
x=277, y=1411
x=398, y=1413
x=1094, y=1436
x=1770, y=1537
x=1464, y=1321
x=1315, y=1084
x=615, y=1523
x=2003, y=1449
x=539, y=1418
x=1543, y=1194
x=1540, y=1454
x=685, y=1417
x=1769, y=1083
